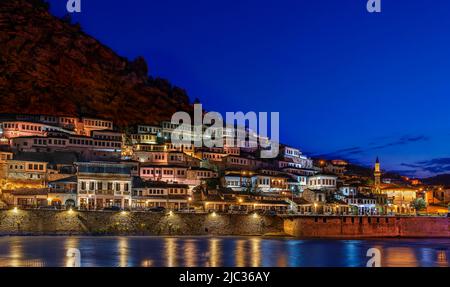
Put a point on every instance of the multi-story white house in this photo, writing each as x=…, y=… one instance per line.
x=147, y=194
x=101, y=185
x=321, y=181
x=90, y=148
x=87, y=125
x=14, y=129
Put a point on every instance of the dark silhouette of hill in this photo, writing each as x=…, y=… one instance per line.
x=50, y=66
x=441, y=179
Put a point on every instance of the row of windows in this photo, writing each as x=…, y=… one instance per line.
x=5, y=156
x=239, y=161
x=143, y=137
x=108, y=137
x=361, y=201
x=66, y=120
x=265, y=181
x=322, y=182
x=94, y=143
x=149, y=129
x=31, y=166
x=50, y=141
x=233, y=183
x=234, y=151
x=292, y=152
x=211, y=156
x=180, y=147
x=158, y=157
x=160, y=191
x=74, y=141
x=23, y=127
x=203, y=174
x=108, y=186
x=176, y=158
x=98, y=123
x=164, y=171
x=167, y=125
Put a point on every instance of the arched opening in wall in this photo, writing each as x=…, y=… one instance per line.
x=69, y=203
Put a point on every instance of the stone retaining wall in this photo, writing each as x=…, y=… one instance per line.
x=40, y=222
x=360, y=227
x=48, y=222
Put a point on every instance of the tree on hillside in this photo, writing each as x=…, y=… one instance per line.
x=419, y=204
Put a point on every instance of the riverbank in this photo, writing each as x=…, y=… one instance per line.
x=50, y=222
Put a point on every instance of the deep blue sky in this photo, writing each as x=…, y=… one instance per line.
x=346, y=83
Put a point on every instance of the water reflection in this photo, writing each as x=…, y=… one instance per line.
x=240, y=253
x=214, y=253
x=123, y=251
x=255, y=254
x=16, y=254
x=190, y=253
x=400, y=256
x=219, y=251
x=171, y=251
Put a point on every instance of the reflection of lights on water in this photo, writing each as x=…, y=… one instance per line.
x=17, y=257
x=400, y=257
x=171, y=251
x=16, y=254
x=147, y=263
x=240, y=253
x=71, y=243
x=442, y=258
x=190, y=253
x=256, y=252
x=123, y=252
x=214, y=252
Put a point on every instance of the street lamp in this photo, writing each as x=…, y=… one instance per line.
x=189, y=203
x=315, y=208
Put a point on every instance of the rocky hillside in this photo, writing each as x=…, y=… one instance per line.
x=50, y=66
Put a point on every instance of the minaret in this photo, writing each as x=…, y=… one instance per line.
x=377, y=174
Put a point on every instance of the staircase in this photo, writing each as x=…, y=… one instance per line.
x=294, y=206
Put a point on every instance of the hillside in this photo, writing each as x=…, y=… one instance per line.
x=50, y=66
x=442, y=179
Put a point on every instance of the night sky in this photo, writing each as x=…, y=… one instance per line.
x=348, y=84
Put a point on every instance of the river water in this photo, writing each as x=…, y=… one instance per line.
x=219, y=251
